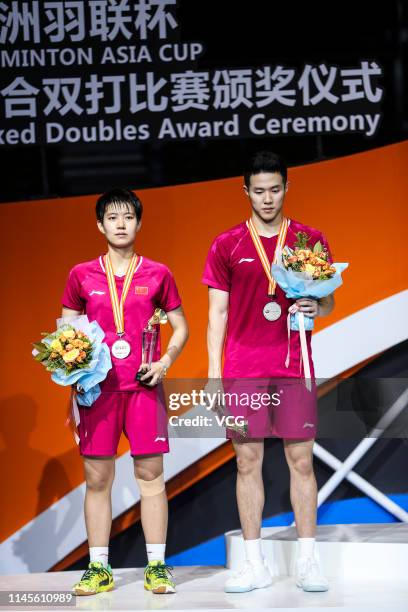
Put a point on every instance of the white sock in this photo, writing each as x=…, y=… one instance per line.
x=155, y=552
x=306, y=547
x=253, y=551
x=99, y=553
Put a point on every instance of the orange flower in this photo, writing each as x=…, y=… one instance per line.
x=303, y=254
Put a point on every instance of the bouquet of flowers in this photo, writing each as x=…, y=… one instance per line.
x=66, y=349
x=305, y=271
x=76, y=355
x=312, y=261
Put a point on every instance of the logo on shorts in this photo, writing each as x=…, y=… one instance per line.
x=307, y=425
x=93, y=292
x=158, y=439
x=248, y=259
x=141, y=290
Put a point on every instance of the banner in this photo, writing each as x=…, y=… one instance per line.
x=118, y=71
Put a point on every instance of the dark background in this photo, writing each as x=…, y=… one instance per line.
x=235, y=35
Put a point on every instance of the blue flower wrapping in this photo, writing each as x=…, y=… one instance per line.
x=89, y=377
x=300, y=285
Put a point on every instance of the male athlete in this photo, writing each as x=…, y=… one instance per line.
x=249, y=311
x=121, y=290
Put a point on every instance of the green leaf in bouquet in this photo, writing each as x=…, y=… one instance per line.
x=302, y=240
x=39, y=346
x=41, y=357
x=65, y=327
x=318, y=248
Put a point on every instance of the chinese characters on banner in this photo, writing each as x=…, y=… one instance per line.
x=115, y=70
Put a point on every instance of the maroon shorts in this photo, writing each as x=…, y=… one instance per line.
x=290, y=412
x=141, y=415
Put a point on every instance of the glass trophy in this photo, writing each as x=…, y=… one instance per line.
x=149, y=341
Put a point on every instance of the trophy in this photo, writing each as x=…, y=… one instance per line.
x=149, y=340
x=222, y=411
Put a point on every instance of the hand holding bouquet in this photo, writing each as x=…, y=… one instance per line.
x=306, y=272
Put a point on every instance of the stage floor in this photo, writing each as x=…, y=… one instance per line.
x=201, y=588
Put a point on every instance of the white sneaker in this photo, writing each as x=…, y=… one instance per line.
x=251, y=576
x=309, y=576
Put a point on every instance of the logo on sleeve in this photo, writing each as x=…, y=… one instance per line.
x=306, y=424
x=141, y=290
x=248, y=259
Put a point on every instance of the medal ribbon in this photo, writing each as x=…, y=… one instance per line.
x=118, y=306
x=304, y=355
x=261, y=251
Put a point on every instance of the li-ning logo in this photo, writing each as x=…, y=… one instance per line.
x=141, y=290
x=307, y=425
x=93, y=292
x=245, y=259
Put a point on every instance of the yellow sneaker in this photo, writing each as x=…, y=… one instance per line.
x=158, y=578
x=96, y=579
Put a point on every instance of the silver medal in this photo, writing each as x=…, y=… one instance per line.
x=120, y=349
x=272, y=311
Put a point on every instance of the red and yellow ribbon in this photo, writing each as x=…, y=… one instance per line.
x=118, y=305
x=261, y=251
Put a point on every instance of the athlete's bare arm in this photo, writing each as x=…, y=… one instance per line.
x=217, y=324
x=68, y=312
x=178, y=338
x=177, y=341
x=326, y=305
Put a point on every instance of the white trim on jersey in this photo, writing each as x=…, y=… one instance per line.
x=138, y=265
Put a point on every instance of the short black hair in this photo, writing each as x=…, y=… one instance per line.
x=265, y=161
x=117, y=197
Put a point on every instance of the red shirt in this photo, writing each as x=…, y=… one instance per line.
x=152, y=286
x=254, y=346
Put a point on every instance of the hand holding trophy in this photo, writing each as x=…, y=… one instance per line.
x=215, y=389
x=150, y=373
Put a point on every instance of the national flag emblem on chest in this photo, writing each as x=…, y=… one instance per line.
x=141, y=290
